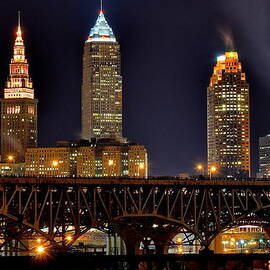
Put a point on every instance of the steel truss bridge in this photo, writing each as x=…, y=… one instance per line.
x=60, y=210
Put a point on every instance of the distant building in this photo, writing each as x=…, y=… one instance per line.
x=12, y=169
x=264, y=156
x=18, y=107
x=102, y=158
x=228, y=118
x=101, y=84
x=184, y=175
x=242, y=239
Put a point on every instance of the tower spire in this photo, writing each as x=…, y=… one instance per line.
x=19, y=19
x=101, y=30
x=101, y=6
x=19, y=31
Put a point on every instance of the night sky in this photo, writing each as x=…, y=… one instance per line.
x=168, y=51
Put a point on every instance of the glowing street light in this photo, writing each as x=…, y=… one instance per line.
x=140, y=167
x=10, y=158
x=40, y=250
x=212, y=170
x=200, y=169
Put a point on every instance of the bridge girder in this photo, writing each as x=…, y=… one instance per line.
x=54, y=209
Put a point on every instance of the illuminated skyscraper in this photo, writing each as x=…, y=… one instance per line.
x=264, y=156
x=228, y=118
x=18, y=107
x=101, y=84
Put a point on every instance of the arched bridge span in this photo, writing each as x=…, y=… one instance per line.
x=56, y=207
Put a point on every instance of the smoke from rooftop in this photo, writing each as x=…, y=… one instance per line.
x=227, y=38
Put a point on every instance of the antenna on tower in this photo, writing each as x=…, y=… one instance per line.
x=19, y=18
x=101, y=5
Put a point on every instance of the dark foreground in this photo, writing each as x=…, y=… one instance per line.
x=148, y=262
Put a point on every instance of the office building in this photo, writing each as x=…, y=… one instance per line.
x=101, y=115
x=102, y=158
x=228, y=118
x=264, y=156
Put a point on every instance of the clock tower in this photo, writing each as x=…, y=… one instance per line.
x=18, y=107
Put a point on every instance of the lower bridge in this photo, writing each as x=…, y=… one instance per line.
x=139, y=210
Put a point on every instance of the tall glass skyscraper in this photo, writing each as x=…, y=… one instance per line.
x=102, y=84
x=18, y=107
x=228, y=118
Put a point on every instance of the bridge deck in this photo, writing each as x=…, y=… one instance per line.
x=133, y=182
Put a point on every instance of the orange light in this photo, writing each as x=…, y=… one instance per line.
x=199, y=167
x=39, y=240
x=110, y=162
x=180, y=250
x=55, y=163
x=213, y=169
x=40, y=250
x=179, y=240
x=68, y=238
x=141, y=166
x=10, y=158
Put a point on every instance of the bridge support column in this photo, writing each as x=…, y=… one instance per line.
x=132, y=242
x=131, y=238
x=131, y=246
x=162, y=247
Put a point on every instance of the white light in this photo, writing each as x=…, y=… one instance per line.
x=221, y=58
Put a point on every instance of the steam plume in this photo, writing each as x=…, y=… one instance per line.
x=227, y=37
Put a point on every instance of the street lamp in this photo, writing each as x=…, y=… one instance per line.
x=40, y=250
x=200, y=168
x=212, y=170
x=140, y=167
x=10, y=158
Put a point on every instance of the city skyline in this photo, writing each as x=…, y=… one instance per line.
x=143, y=126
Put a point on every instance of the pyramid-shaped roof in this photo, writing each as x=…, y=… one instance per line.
x=101, y=31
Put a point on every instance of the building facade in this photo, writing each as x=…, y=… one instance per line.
x=18, y=107
x=12, y=169
x=101, y=115
x=228, y=118
x=264, y=156
x=242, y=239
x=103, y=158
